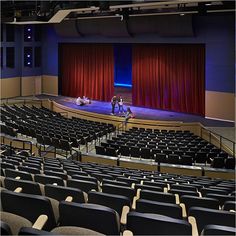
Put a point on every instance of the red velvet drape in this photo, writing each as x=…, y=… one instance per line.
x=87, y=69
x=170, y=77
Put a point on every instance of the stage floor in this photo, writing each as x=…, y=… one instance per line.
x=140, y=112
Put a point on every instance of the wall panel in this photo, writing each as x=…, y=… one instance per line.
x=50, y=84
x=220, y=105
x=10, y=87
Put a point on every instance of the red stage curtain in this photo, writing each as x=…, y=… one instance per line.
x=170, y=77
x=87, y=69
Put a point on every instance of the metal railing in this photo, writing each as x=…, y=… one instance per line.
x=222, y=141
x=9, y=101
x=23, y=142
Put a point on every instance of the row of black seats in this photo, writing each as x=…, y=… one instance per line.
x=94, y=216
x=72, y=166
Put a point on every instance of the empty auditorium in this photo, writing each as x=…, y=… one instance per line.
x=118, y=117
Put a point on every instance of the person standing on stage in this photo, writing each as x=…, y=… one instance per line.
x=120, y=104
x=113, y=105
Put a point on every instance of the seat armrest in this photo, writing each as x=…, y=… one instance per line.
x=69, y=199
x=128, y=233
x=177, y=198
x=18, y=190
x=184, y=213
x=40, y=222
x=125, y=211
x=193, y=223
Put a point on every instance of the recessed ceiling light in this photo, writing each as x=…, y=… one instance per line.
x=181, y=14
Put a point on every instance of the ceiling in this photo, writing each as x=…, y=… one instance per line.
x=44, y=12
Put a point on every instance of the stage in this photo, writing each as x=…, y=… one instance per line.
x=140, y=112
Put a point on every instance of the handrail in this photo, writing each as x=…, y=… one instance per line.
x=221, y=138
x=25, y=101
x=23, y=142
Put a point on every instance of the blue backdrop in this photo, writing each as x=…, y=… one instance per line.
x=123, y=65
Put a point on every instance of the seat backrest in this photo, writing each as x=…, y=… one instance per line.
x=229, y=205
x=184, y=187
x=29, y=187
x=85, y=178
x=85, y=186
x=110, y=200
x=95, y=217
x=154, y=224
x=29, y=169
x=205, y=216
x=15, y=173
x=222, y=198
x=157, y=196
x=28, y=206
x=46, y=179
x=119, y=190
x=192, y=201
x=206, y=191
x=167, y=209
x=60, y=193
x=218, y=230
x=149, y=187
x=183, y=192
x=56, y=174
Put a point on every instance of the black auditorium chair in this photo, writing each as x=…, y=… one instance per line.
x=230, y=163
x=113, y=201
x=119, y=190
x=158, y=196
x=146, y=153
x=167, y=209
x=183, y=192
x=173, y=159
x=186, y=160
x=193, y=201
x=186, y=187
x=30, y=170
x=60, y=193
x=124, y=150
x=85, y=178
x=135, y=151
x=83, y=185
x=218, y=162
x=210, y=190
x=100, y=150
x=111, y=151
x=222, y=198
x=56, y=174
x=206, y=216
x=46, y=179
x=161, y=184
x=218, y=230
x=16, y=173
x=27, y=186
x=91, y=216
x=229, y=205
x=149, y=187
x=30, y=207
x=154, y=224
